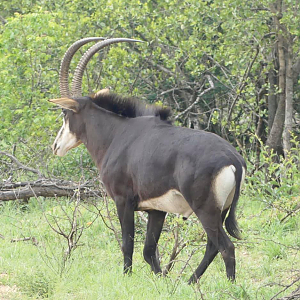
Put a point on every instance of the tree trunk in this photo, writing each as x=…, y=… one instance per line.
x=288, y=99
x=272, y=99
x=275, y=135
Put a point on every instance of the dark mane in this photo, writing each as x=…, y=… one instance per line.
x=130, y=107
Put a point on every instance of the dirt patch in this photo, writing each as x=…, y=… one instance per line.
x=7, y=292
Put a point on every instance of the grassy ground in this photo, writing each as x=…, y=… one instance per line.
x=268, y=258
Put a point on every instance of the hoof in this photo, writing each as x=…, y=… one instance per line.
x=193, y=279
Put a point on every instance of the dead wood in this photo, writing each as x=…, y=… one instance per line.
x=25, y=239
x=294, y=295
x=45, y=188
x=42, y=187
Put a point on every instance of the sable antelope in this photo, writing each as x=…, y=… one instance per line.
x=148, y=164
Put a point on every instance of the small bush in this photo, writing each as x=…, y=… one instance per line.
x=276, y=181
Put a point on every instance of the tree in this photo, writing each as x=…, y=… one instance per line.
x=287, y=63
x=226, y=66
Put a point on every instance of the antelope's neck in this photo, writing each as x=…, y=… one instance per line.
x=100, y=129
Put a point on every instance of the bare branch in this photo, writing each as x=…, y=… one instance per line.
x=3, y=21
x=115, y=231
x=177, y=248
x=20, y=165
x=174, y=89
x=198, y=97
x=160, y=68
x=223, y=69
x=33, y=239
x=286, y=287
x=294, y=211
x=242, y=84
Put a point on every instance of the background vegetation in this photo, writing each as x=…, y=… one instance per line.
x=230, y=67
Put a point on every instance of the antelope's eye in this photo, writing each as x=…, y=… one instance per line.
x=64, y=112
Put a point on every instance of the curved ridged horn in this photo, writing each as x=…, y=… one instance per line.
x=77, y=78
x=65, y=64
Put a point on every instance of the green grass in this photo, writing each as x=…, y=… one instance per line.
x=267, y=258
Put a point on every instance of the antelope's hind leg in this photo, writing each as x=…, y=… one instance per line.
x=155, y=223
x=217, y=241
x=210, y=253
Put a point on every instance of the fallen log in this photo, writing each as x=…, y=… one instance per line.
x=43, y=186
x=26, y=190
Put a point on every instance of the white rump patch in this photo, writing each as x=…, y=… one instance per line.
x=224, y=187
x=171, y=202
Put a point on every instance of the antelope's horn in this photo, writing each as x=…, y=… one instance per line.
x=65, y=64
x=77, y=78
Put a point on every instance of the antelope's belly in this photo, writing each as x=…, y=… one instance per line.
x=171, y=202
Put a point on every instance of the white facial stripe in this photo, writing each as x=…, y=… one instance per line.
x=60, y=131
x=65, y=140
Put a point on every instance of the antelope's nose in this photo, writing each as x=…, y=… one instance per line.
x=54, y=147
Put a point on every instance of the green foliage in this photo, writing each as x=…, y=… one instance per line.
x=277, y=180
x=26, y=81
x=208, y=38
x=36, y=284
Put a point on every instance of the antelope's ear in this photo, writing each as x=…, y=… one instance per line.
x=102, y=92
x=66, y=103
